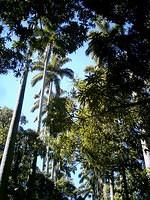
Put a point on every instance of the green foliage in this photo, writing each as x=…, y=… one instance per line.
x=113, y=95
x=67, y=188
x=5, y=118
x=43, y=189
x=59, y=115
x=26, y=19
x=104, y=134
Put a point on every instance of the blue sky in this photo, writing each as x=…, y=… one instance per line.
x=9, y=85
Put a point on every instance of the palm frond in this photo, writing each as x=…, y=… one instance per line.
x=58, y=61
x=36, y=79
x=103, y=25
x=94, y=46
x=64, y=60
x=43, y=113
x=36, y=96
x=54, y=60
x=35, y=106
x=66, y=72
x=38, y=66
x=50, y=67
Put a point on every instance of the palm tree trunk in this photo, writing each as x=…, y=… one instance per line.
x=111, y=189
x=48, y=53
x=146, y=155
x=98, y=186
x=5, y=167
x=55, y=172
x=47, y=160
x=53, y=169
x=47, y=152
x=111, y=185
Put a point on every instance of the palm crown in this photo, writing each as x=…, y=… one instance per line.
x=54, y=74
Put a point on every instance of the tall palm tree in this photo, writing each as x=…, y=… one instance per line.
x=48, y=42
x=46, y=38
x=54, y=74
x=39, y=117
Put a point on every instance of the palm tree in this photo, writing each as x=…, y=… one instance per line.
x=100, y=42
x=46, y=38
x=54, y=74
x=48, y=43
x=34, y=161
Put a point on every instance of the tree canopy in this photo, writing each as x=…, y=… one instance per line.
x=103, y=125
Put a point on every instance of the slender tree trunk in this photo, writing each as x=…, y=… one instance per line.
x=95, y=189
x=56, y=170
x=47, y=152
x=48, y=53
x=105, y=191
x=111, y=189
x=111, y=182
x=93, y=197
x=146, y=155
x=5, y=167
x=47, y=160
x=52, y=169
x=100, y=188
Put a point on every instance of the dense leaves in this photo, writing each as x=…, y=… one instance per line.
x=59, y=117
x=21, y=19
x=107, y=131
